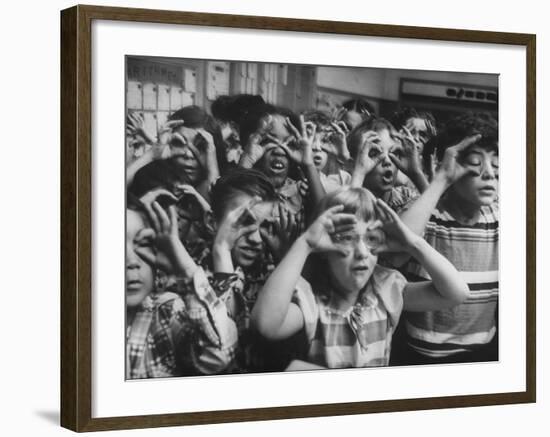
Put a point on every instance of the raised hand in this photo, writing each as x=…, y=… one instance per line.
x=237, y=222
x=370, y=153
x=188, y=190
x=281, y=234
x=320, y=234
x=170, y=256
x=451, y=169
x=254, y=149
x=399, y=238
x=339, y=140
x=406, y=156
x=135, y=128
x=301, y=150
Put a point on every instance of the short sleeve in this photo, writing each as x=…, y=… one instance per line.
x=389, y=285
x=305, y=299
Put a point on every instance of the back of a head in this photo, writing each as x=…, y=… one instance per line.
x=235, y=108
x=465, y=125
x=240, y=181
x=400, y=118
x=319, y=118
x=359, y=105
x=162, y=173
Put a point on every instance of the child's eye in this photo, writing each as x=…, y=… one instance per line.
x=373, y=153
x=344, y=238
x=473, y=160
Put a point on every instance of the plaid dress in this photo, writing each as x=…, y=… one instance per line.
x=360, y=336
x=188, y=333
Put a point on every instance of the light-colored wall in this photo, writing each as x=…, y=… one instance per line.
x=384, y=83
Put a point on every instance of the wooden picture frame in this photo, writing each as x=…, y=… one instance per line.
x=76, y=217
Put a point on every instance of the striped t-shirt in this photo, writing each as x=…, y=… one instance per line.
x=360, y=336
x=473, y=250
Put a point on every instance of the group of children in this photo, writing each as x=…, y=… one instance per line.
x=260, y=240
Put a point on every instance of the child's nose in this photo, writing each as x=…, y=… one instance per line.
x=255, y=237
x=488, y=172
x=361, y=249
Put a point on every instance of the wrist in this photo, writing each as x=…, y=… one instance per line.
x=442, y=180
x=247, y=161
x=416, y=246
x=303, y=243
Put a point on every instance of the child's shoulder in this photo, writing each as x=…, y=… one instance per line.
x=382, y=275
x=167, y=303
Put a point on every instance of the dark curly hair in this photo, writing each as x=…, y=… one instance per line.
x=400, y=118
x=465, y=125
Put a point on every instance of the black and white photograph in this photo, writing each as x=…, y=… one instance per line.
x=288, y=217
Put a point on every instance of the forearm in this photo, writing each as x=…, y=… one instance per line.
x=314, y=181
x=417, y=215
x=212, y=350
x=221, y=255
x=136, y=165
x=419, y=180
x=358, y=177
x=246, y=161
x=273, y=302
x=445, y=278
x=213, y=171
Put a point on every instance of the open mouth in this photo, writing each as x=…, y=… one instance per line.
x=277, y=166
x=387, y=177
x=317, y=160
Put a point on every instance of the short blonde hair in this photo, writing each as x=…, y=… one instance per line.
x=357, y=201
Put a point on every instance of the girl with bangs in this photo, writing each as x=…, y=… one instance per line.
x=349, y=315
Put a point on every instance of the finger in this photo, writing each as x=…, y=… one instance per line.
x=380, y=249
x=173, y=219
x=149, y=256
x=245, y=230
x=396, y=161
x=291, y=223
x=164, y=220
x=337, y=128
x=343, y=219
x=292, y=128
x=173, y=124
x=466, y=142
x=333, y=210
x=282, y=217
x=343, y=228
x=343, y=126
x=377, y=224
x=152, y=217
x=270, y=137
x=390, y=212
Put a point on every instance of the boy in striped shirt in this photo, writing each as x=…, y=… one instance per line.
x=458, y=216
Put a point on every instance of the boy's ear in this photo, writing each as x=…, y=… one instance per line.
x=210, y=222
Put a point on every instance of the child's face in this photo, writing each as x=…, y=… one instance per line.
x=351, y=272
x=352, y=118
x=186, y=154
x=321, y=142
x=139, y=274
x=275, y=164
x=382, y=178
x=250, y=248
x=479, y=190
x=419, y=130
